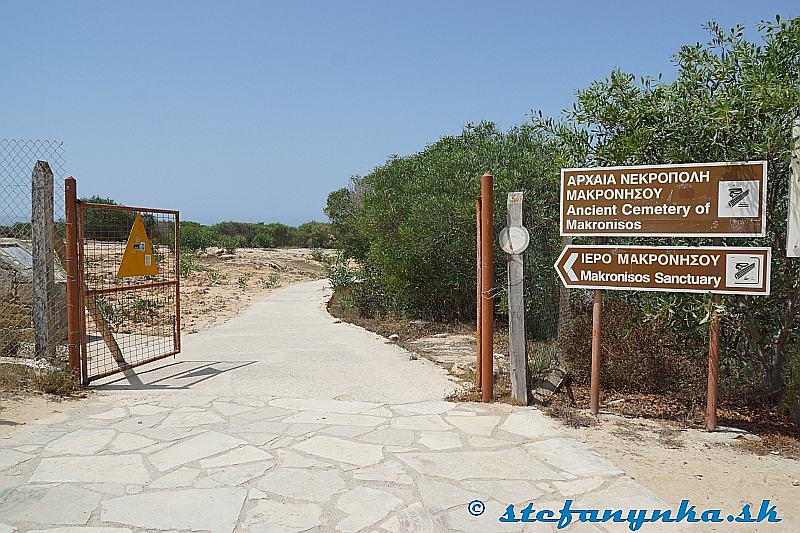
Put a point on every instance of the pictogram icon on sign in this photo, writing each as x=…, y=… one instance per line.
x=738, y=199
x=743, y=270
x=138, y=257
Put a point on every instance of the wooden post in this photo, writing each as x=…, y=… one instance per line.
x=44, y=282
x=793, y=225
x=597, y=316
x=713, y=358
x=73, y=283
x=516, y=309
x=479, y=301
x=487, y=287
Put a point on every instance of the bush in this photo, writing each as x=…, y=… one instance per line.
x=263, y=239
x=107, y=224
x=337, y=269
x=229, y=243
x=416, y=218
x=638, y=355
x=196, y=237
x=314, y=235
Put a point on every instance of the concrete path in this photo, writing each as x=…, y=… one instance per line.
x=282, y=420
x=288, y=345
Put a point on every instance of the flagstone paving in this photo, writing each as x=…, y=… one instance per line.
x=214, y=459
x=229, y=473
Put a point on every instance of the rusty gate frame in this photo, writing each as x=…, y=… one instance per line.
x=79, y=293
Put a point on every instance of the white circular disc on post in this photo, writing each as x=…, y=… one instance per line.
x=514, y=239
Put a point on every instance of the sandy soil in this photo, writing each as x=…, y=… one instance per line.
x=222, y=285
x=709, y=469
x=18, y=410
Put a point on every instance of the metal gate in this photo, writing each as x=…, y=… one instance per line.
x=128, y=281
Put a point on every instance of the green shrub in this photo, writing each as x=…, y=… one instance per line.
x=189, y=265
x=228, y=243
x=314, y=235
x=318, y=255
x=337, y=269
x=196, y=237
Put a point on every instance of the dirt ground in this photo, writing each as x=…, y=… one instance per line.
x=22, y=409
x=712, y=470
x=219, y=285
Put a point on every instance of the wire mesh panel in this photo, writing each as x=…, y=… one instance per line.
x=22, y=180
x=131, y=286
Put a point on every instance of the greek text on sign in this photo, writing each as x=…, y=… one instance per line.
x=691, y=200
x=138, y=258
x=724, y=270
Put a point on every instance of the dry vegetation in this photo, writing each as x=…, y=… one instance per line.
x=19, y=380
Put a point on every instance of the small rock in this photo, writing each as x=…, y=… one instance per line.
x=460, y=368
x=796, y=483
x=439, y=335
x=413, y=357
x=394, y=337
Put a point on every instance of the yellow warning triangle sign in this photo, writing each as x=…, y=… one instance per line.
x=138, y=259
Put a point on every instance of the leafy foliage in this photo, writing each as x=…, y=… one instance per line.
x=232, y=235
x=410, y=222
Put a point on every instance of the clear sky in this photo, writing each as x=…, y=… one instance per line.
x=254, y=111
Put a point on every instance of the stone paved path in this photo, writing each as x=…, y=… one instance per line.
x=162, y=454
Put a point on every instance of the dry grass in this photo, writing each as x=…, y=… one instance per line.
x=570, y=416
x=21, y=379
x=774, y=444
x=670, y=438
x=407, y=330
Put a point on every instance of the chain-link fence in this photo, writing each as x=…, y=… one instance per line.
x=33, y=319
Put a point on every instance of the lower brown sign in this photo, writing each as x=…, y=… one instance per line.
x=724, y=270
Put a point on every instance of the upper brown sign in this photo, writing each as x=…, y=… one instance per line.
x=690, y=200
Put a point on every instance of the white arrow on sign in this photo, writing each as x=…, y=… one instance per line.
x=568, y=266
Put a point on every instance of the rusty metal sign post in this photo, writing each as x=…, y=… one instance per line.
x=487, y=288
x=479, y=291
x=676, y=200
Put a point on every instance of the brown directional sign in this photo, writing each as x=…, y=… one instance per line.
x=690, y=200
x=724, y=270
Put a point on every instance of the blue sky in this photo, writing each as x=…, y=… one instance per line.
x=254, y=111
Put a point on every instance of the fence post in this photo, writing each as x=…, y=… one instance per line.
x=793, y=224
x=516, y=309
x=44, y=283
x=597, y=332
x=479, y=304
x=713, y=357
x=73, y=286
x=487, y=287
